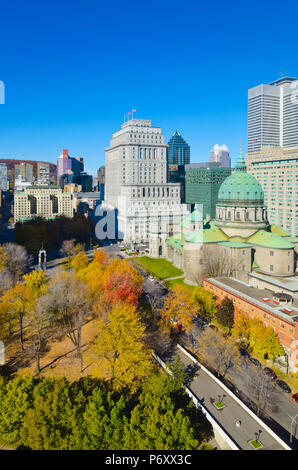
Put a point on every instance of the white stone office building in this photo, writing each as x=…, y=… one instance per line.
x=273, y=114
x=48, y=202
x=136, y=180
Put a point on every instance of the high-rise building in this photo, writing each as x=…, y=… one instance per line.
x=101, y=175
x=4, y=185
x=220, y=154
x=202, y=182
x=42, y=201
x=43, y=172
x=25, y=170
x=137, y=155
x=276, y=169
x=65, y=163
x=176, y=174
x=86, y=181
x=273, y=115
x=178, y=151
x=136, y=181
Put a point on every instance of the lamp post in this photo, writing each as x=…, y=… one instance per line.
x=294, y=418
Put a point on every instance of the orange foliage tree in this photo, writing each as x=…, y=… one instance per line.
x=178, y=308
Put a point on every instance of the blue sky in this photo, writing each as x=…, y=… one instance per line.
x=72, y=69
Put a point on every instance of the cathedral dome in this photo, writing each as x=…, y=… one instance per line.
x=241, y=187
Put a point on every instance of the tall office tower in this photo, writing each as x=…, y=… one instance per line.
x=101, y=175
x=25, y=170
x=66, y=163
x=277, y=171
x=137, y=155
x=202, y=182
x=86, y=181
x=273, y=115
x=136, y=181
x=178, y=152
x=43, y=172
x=4, y=185
x=220, y=154
x=63, y=164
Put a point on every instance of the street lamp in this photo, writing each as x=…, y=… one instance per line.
x=294, y=418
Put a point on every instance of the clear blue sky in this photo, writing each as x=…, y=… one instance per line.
x=72, y=69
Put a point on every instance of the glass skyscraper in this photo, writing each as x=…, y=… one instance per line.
x=273, y=115
x=178, y=152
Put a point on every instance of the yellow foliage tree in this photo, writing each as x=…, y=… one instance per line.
x=79, y=262
x=36, y=282
x=118, y=353
x=178, y=308
x=263, y=341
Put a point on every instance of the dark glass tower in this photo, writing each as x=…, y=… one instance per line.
x=178, y=151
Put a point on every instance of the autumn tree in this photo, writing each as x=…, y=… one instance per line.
x=68, y=306
x=263, y=341
x=68, y=250
x=178, y=308
x=118, y=352
x=36, y=282
x=79, y=262
x=260, y=387
x=205, y=303
x=14, y=305
x=15, y=259
x=225, y=313
x=218, y=351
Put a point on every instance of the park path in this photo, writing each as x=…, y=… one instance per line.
x=172, y=278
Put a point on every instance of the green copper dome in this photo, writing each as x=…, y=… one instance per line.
x=240, y=187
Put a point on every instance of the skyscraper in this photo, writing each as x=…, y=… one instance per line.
x=220, y=154
x=178, y=152
x=25, y=170
x=202, y=182
x=137, y=155
x=3, y=177
x=273, y=115
x=65, y=164
x=136, y=183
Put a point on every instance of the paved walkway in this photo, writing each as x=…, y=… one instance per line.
x=173, y=278
x=206, y=389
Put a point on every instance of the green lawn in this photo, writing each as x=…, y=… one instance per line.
x=256, y=444
x=171, y=284
x=159, y=268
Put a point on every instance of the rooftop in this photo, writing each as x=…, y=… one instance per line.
x=290, y=283
x=262, y=298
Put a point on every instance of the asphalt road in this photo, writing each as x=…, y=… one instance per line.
x=206, y=389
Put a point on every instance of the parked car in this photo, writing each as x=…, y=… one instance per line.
x=284, y=386
x=213, y=327
x=270, y=373
x=295, y=397
x=255, y=361
x=243, y=352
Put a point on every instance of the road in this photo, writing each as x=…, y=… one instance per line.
x=206, y=389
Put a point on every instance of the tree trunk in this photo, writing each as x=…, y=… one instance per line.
x=21, y=331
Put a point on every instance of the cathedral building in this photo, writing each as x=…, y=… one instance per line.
x=238, y=243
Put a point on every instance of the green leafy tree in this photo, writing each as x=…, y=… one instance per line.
x=155, y=424
x=16, y=397
x=225, y=313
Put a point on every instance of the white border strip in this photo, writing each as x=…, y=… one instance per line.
x=256, y=418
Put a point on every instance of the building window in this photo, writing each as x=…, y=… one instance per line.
x=271, y=253
x=271, y=267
